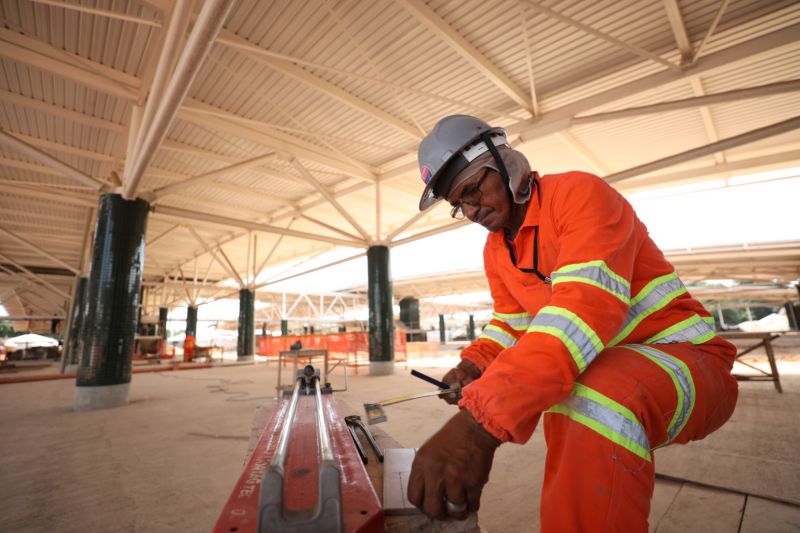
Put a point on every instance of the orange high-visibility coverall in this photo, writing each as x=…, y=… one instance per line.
x=614, y=350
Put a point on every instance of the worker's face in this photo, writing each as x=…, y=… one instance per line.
x=483, y=199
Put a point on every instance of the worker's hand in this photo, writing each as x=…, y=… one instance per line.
x=459, y=377
x=452, y=466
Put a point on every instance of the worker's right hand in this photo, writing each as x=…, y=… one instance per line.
x=459, y=377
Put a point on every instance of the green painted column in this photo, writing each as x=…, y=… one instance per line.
x=163, y=313
x=191, y=321
x=442, y=331
x=76, y=325
x=409, y=315
x=471, y=329
x=284, y=328
x=244, y=344
x=381, y=316
x=112, y=304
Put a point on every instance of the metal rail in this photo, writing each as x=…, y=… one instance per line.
x=325, y=449
x=279, y=458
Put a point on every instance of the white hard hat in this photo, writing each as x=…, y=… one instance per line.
x=454, y=143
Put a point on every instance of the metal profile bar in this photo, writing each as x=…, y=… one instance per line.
x=279, y=457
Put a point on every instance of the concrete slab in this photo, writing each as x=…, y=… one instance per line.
x=169, y=459
x=698, y=509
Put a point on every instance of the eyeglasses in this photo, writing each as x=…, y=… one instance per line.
x=471, y=195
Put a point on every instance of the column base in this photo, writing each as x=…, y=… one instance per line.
x=71, y=368
x=245, y=358
x=101, y=397
x=381, y=368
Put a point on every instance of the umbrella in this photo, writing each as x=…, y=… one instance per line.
x=29, y=340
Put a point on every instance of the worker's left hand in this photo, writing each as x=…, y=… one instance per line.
x=453, y=465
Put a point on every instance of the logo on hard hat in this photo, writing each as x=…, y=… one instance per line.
x=426, y=174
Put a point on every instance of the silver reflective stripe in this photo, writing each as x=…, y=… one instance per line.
x=681, y=378
x=606, y=417
x=694, y=329
x=580, y=339
x=598, y=274
x=654, y=296
x=498, y=335
x=517, y=321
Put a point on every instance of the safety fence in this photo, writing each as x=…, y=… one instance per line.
x=351, y=348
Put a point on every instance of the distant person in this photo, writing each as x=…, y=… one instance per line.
x=591, y=327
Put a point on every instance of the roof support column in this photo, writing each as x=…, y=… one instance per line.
x=381, y=316
x=245, y=349
x=112, y=303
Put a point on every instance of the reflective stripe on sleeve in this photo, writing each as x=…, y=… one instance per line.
x=603, y=415
x=498, y=335
x=597, y=274
x=654, y=296
x=581, y=340
x=694, y=329
x=681, y=378
x=516, y=321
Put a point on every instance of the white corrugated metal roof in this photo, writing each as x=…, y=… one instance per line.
x=336, y=94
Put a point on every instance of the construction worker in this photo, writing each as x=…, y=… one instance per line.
x=592, y=328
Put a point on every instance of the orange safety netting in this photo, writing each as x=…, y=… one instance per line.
x=352, y=348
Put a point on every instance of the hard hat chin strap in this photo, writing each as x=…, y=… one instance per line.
x=486, y=137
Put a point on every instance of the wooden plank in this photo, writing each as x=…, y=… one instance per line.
x=696, y=508
x=396, y=469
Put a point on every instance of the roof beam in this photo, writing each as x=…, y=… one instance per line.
x=87, y=73
x=59, y=196
x=227, y=267
x=33, y=276
x=428, y=17
x=772, y=160
x=207, y=26
x=47, y=159
x=100, y=12
x=604, y=36
x=725, y=144
x=306, y=175
x=39, y=250
x=678, y=29
x=71, y=150
x=210, y=176
x=209, y=116
x=696, y=101
x=232, y=40
x=58, y=111
x=246, y=224
x=562, y=117
x=708, y=120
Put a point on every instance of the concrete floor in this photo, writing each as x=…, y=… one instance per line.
x=168, y=461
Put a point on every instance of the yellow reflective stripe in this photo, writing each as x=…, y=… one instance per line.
x=654, y=296
x=693, y=329
x=516, y=321
x=606, y=417
x=498, y=335
x=584, y=343
x=682, y=380
x=595, y=273
x=710, y=321
x=558, y=333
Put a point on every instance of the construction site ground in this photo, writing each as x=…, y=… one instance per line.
x=168, y=460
